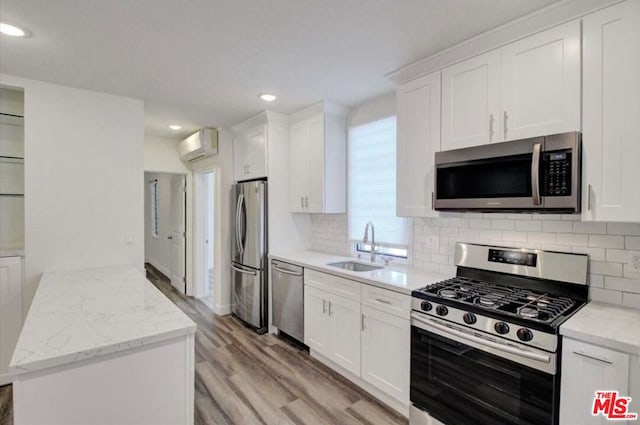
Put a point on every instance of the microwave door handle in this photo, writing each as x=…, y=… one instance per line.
x=535, y=173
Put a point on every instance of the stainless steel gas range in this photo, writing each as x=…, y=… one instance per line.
x=485, y=347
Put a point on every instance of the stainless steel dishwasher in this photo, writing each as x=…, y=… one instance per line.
x=288, y=298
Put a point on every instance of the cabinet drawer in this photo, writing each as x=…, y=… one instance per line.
x=336, y=285
x=389, y=301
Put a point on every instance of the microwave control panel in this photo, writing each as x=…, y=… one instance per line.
x=556, y=173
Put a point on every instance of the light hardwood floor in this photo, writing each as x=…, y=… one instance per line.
x=244, y=378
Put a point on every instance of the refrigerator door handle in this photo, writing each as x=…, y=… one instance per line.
x=237, y=229
x=243, y=220
x=251, y=272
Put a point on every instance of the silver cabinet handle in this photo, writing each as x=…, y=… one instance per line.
x=362, y=316
x=607, y=361
x=329, y=308
x=301, y=202
x=491, y=127
x=324, y=306
x=589, y=198
x=278, y=269
x=506, y=128
x=535, y=173
x=170, y=237
x=383, y=301
x=306, y=202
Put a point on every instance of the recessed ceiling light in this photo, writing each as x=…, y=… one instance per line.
x=12, y=30
x=268, y=97
x=175, y=127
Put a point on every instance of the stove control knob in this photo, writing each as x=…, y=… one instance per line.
x=469, y=318
x=525, y=334
x=501, y=327
x=442, y=310
x=426, y=305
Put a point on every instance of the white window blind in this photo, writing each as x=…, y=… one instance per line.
x=372, y=183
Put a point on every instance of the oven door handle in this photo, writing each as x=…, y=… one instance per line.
x=480, y=341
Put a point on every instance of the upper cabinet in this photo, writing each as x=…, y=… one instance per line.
x=541, y=84
x=471, y=102
x=418, y=108
x=253, y=139
x=611, y=108
x=527, y=88
x=317, y=155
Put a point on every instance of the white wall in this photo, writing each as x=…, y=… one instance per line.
x=157, y=250
x=83, y=171
x=161, y=155
x=223, y=166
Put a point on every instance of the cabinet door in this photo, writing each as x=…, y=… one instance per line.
x=586, y=369
x=386, y=341
x=541, y=84
x=240, y=164
x=10, y=311
x=345, y=333
x=418, y=140
x=471, y=102
x=314, y=200
x=611, y=107
x=298, y=165
x=257, y=152
x=316, y=320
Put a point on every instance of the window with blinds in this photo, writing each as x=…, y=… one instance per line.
x=372, y=188
x=153, y=186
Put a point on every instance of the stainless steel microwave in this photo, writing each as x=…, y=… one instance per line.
x=541, y=174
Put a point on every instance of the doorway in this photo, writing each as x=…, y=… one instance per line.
x=205, y=237
x=165, y=225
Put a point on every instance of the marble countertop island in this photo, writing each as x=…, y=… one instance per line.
x=609, y=325
x=395, y=277
x=89, y=313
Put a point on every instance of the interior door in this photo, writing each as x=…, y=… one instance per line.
x=178, y=257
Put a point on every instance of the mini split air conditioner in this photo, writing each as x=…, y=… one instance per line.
x=200, y=144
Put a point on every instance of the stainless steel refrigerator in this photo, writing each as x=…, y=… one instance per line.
x=249, y=259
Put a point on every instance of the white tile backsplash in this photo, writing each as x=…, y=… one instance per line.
x=609, y=245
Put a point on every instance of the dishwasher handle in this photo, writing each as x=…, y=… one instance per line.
x=278, y=269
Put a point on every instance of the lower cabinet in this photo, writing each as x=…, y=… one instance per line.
x=332, y=327
x=386, y=343
x=587, y=368
x=363, y=329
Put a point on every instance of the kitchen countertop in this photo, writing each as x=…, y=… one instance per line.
x=89, y=313
x=395, y=277
x=608, y=325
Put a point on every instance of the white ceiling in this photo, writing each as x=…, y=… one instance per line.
x=203, y=62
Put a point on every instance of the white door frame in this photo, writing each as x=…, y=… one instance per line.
x=179, y=282
x=196, y=286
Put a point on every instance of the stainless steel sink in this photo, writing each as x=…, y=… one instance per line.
x=354, y=266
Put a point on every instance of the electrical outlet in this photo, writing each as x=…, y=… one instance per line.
x=129, y=239
x=634, y=261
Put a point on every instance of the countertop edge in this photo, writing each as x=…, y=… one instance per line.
x=70, y=358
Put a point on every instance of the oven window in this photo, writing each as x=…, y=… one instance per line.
x=504, y=177
x=458, y=384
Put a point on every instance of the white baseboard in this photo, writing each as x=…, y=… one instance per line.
x=5, y=379
x=222, y=309
x=396, y=405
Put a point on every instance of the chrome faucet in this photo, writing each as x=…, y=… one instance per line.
x=365, y=240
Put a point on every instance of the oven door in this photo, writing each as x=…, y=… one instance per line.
x=458, y=381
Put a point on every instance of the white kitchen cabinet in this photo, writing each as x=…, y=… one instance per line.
x=318, y=152
x=471, y=102
x=10, y=311
x=316, y=320
x=250, y=153
x=541, y=83
x=611, y=111
x=588, y=368
x=332, y=327
x=386, y=343
x=418, y=108
x=528, y=88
